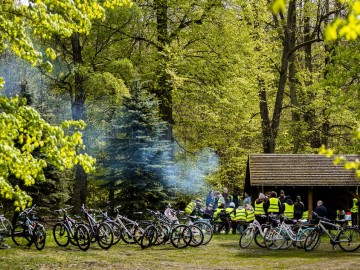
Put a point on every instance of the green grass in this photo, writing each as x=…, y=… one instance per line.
x=223, y=252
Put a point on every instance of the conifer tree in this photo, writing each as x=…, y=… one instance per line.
x=137, y=154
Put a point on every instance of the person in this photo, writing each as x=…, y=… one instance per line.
x=238, y=219
x=194, y=208
x=246, y=199
x=288, y=207
x=354, y=212
x=235, y=198
x=260, y=211
x=210, y=198
x=275, y=207
x=217, y=200
x=226, y=197
x=320, y=209
x=222, y=216
x=299, y=208
x=208, y=212
x=282, y=197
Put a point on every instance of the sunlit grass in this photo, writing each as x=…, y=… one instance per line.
x=223, y=252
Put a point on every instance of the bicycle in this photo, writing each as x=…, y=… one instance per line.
x=28, y=231
x=5, y=230
x=289, y=232
x=100, y=232
x=348, y=238
x=64, y=230
x=255, y=231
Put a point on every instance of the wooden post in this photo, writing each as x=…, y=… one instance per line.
x=310, y=202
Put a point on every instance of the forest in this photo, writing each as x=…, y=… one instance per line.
x=145, y=102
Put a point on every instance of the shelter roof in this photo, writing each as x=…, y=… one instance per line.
x=298, y=170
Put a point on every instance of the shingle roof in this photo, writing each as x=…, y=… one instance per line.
x=298, y=170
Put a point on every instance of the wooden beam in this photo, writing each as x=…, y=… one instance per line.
x=310, y=202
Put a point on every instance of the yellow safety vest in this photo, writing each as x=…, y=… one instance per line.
x=259, y=208
x=354, y=208
x=274, y=205
x=240, y=215
x=250, y=215
x=289, y=210
x=305, y=214
x=190, y=207
x=216, y=213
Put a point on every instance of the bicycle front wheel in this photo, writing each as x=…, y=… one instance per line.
x=259, y=238
x=349, y=239
x=246, y=238
x=105, y=236
x=181, y=236
x=149, y=237
x=83, y=237
x=312, y=241
x=197, y=236
x=61, y=235
x=206, y=229
x=274, y=238
x=19, y=235
x=40, y=237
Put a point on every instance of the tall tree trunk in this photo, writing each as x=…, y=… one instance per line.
x=293, y=87
x=163, y=84
x=273, y=126
x=78, y=113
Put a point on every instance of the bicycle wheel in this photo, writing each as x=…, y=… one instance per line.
x=312, y=241
x=83, y=237
x=301, y=236
x=8, y=227
x=39, y=237
x=180, y=236
x=207, y=230
x=130, y=232
x=163, y=232
x=20, y=236
x=246, y=237
x=197, y=236
x=61, y=235
x=117, y=231
x=149, y=237
x=259, y=239
x=349, y=239
x=274, y=238
x=104, y=235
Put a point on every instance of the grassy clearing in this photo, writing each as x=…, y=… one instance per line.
x=223, y=252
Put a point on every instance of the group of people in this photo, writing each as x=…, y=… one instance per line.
x=234, y=212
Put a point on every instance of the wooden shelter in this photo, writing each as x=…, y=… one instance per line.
x=313, y=177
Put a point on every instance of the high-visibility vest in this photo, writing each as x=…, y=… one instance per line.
x=274, y=205
x=354, y=208
x=239, y=215
x=250, y=215
x=190, y=207
x=259, y=208
x=216, y=213
x=289, y=210
x=305, y=214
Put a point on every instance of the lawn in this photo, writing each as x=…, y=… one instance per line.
x=223, y=252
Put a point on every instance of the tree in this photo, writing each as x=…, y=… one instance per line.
x=28, y=145
x=137, y=154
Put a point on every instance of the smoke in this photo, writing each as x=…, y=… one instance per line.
x=188, y=174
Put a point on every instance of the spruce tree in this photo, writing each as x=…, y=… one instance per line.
x=137, y=155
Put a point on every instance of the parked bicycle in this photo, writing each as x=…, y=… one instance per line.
x=28, y=231
x=100, y=232
x=346, y=237
x=64, y=230
x=288, y=233
x=5, y=230
x=254, y=231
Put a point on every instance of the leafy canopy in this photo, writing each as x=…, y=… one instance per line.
x=22, y=21
x=348, y=27
x=28, y=144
